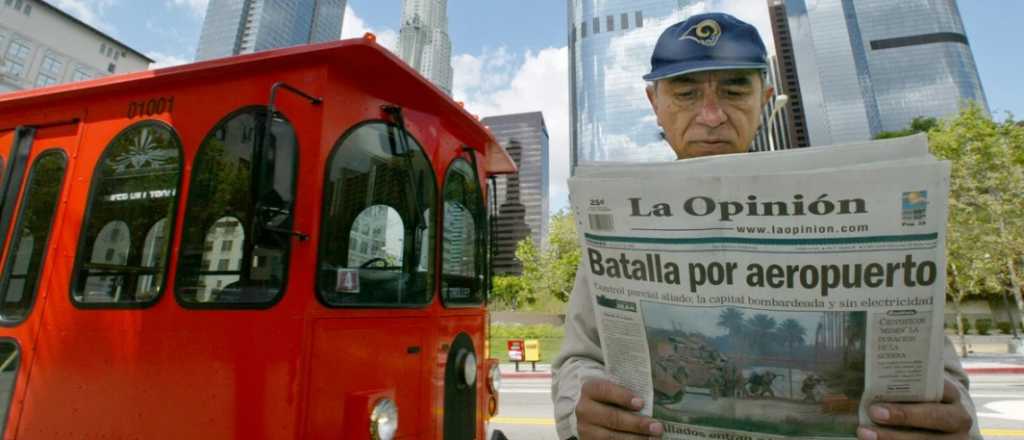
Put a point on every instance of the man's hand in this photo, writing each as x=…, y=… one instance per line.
x=605, y=411
x=913, y=421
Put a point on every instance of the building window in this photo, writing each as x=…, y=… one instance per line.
x=611, y=23
x=639, y=19
x=44, y=80
x=18, y=50
x=226, y=245
x=28, y=9
x=51, y=65
x=624, y=21
x=597, y=25
x=17, y=4
x=111, y=68
x=103, y=48
x=14, y=68
x=583, y=30
x=80, y=75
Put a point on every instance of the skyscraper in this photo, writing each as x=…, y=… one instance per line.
x=789, y=81
x=235, y=27
x=423, y=41
x=522, y=198
x=867, y=66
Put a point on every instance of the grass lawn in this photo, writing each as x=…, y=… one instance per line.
x=548, y=349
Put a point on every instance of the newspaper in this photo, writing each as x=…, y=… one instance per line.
x=769, y=295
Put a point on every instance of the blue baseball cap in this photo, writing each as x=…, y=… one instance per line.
x=713, y=41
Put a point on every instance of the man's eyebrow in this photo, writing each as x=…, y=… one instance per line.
x=736, y=81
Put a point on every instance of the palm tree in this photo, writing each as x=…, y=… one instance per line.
x=762, y=326
x=792, y=334
x=731, y=319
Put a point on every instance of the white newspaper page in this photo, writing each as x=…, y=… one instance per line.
x=769, y=306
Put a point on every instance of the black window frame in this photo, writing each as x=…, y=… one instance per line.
x=480, y=242
x=5, y=270
x=433, y=272
x=87, y=215
x=246, y=229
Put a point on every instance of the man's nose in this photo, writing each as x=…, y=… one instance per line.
x=710, y=112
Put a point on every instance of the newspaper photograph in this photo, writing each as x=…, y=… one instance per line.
x=746, y=305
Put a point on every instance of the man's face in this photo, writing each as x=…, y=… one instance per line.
x=708, y=113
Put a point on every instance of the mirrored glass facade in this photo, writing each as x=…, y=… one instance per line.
x=867, y=66
x=233, y=27
x=610, y=44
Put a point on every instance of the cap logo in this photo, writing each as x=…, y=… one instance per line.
x=706, y=33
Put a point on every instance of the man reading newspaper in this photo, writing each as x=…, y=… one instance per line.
x=708, y=88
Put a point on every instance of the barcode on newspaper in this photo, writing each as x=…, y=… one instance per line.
x=602, y=222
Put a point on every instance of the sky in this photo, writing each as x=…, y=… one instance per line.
x=511, y=56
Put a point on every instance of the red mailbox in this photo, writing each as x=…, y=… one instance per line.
x=515, y=350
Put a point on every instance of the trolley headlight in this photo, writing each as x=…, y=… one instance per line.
x=495, y=379
x=468, y=368
x=384, y=420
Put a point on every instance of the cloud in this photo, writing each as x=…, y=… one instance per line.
x=166, y=60
x=353, y=26
x=497, y=82
x=88, y=11
x=198, y=7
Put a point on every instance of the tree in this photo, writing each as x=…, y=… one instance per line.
x=792, y=334
x=550, y=273
x=510, y=292
x=985, y=234
x=763, y=326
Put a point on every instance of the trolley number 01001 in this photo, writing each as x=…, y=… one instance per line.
x=154, y=106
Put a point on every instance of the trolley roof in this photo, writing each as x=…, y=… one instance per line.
x=362, y=60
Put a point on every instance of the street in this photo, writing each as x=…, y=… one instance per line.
x=525, y=411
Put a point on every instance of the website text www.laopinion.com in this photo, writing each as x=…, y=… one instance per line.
x=802, y=229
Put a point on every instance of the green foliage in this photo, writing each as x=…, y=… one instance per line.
x=507, y=292
x=966, y=324
x=535, y=331
x=549, y=273
x=986, y=217
x=1004, y=327
x=984, y=326
x=920, y=124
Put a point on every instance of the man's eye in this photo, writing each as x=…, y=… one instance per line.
x=687, y=94
x=735, y=93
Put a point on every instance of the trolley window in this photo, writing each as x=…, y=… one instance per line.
x=377, y=244
x=10, y=357
x=27, y=250
x=235, y=241
x=462, y=240
x=122, y=257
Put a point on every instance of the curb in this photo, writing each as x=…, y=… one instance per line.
x=526, y=375
x=995, y=370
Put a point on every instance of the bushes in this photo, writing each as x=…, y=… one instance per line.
x=1004, y=327
x=518, y=331
x=984, y=326
x=966, y=324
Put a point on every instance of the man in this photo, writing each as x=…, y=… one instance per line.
x=707, y=88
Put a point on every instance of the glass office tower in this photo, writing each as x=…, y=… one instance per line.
x=867, y=66
x=233, y=27
x=610, y=44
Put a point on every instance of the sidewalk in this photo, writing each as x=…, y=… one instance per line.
x=508, y=370
x=987, y=363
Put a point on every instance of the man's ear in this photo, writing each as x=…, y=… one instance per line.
x=652, y=96
x=769, y=91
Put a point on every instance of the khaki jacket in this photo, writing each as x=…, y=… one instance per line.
x=580, y=359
